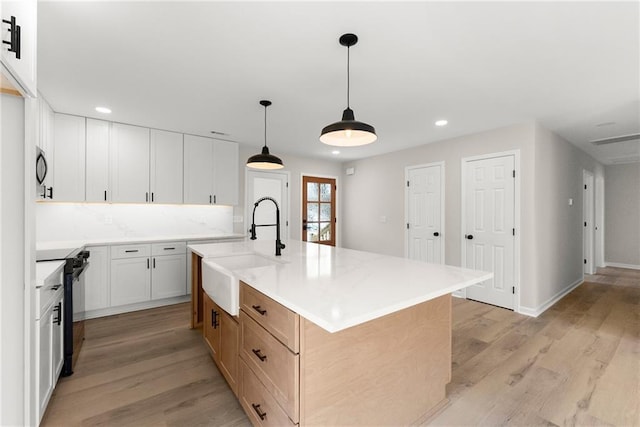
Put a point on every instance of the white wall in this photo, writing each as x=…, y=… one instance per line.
x=87, y=221
x=296, y=166
x=12, y=255
x=622, y=213
x=377, y=189
x=558, y=177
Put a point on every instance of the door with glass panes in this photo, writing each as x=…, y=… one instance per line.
x=319, y=210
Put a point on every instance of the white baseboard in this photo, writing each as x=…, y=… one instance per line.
x=620, y=265
x=110, y=311
x=537, y=311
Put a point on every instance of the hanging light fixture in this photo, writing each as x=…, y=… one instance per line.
x=265, y=160
x=348, y=132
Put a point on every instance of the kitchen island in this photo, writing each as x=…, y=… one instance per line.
x=332, y=336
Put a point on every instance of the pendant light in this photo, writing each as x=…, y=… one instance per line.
x=265, y=160
x=348, y=132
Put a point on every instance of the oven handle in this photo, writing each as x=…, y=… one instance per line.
x=78, y=271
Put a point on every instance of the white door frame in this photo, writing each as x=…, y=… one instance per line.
x=248, y=204
x=599, y=222
x=516, y=244
x=588, y=218
x=407, y=169
x=337, y=224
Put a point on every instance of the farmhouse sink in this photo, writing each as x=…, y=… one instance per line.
x=220, y=282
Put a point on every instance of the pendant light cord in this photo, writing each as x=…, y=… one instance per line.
x=265, y=125
x=348, y=78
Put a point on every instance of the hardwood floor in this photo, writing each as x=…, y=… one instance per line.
x=576, y=364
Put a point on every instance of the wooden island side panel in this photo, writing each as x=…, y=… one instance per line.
x=389, y=371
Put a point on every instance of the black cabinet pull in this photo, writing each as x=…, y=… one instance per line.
x=131, y=250
x=169, y=249
x=146, y=196
x=50, y=193
x=44, y=192
x=152, y=196
x=209, y=198
x=154, y=263
x=261, y=414
x=259, y=309
x=436, y=234
x=147, y=263
x=214, y=199
x=214, y=319
x=56, y=287
x=14, y=44
x=58, y=310
x=468, y=236
x=259, y=355
x=105, y=195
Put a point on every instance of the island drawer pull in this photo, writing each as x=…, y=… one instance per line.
x=261, y=414
x=259, y=355
x=214, y=319
x=131, y=250
x=259, y=309
x=169, y=249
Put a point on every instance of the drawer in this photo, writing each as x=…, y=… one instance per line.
x=273, y=363
x=260, y=406
x=283, y=323
x=130, y=251
x=45, y=296
x=168, y=248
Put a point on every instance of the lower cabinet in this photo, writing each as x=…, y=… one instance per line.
x=130, y=280
x=221, y=334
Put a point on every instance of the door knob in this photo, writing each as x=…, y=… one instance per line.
x=468, y=236
x=436, y=234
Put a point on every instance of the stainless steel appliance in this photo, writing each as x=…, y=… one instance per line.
x=42, y=168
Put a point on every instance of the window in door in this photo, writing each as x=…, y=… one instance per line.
x=319, y=210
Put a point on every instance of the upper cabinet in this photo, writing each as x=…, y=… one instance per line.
x=210, y=171
x=98, y=140
x=68, y=158
x=129, y=164
x=45, y=134
x=19, y=38
x=166, y=167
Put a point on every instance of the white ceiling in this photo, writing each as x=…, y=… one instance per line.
x=200, y=66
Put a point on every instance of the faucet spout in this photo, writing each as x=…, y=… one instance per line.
x=279, y=244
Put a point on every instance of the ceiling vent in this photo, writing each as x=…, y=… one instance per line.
x=623, y=160
x=623, y=138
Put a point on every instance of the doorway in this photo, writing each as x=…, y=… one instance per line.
x=267, y=184
x=489, y=204
x=424, y=212
x=588, y=225
x=319, y=210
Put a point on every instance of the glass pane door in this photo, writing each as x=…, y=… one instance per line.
x=319, y=210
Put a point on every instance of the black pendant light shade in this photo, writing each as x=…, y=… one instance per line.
x=265, y=160
x=348, y=132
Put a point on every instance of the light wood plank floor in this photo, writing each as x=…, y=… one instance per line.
x=576, y=364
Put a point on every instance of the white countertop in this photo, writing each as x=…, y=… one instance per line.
x=337, y=288
x=58, y=249
x=45, y=269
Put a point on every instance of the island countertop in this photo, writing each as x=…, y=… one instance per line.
x=337, y=288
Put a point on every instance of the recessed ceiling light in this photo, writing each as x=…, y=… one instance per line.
x=441, y=123
x=335, y=152
x=104, y=110
x=599, y=125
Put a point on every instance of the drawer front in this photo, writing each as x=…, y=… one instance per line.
x=273, y=363
x=168, y=248
x=283, y=323
x=260, y=406
x=130, y=251
x=45, y=296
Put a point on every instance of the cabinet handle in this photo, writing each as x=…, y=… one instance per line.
x=261, y=414
x=131, y=250
x=14, y=44
x=50, y=192
x=146, y=196
x=259, y=355
x=259, y=309
x=44, y=191
x=214, y=199
x=214, y=319
x=58, y=310
x=147, y=263
x=169, y=249
x=56, y=287
x=152, y=196
x=105, y=195
x=209, y=198
x=154, y=263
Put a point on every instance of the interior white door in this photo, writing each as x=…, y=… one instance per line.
x=489, y=227
x=424, y=218
x=588, y=223
x=268, y=184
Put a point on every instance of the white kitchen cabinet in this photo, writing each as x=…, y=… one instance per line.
x=57, y=337
x=96, y=283
x=169, y=276
x=198, y=170
x=166, y=167
x=45, y=136
x=97, y=177
x=44, y=327
x=68, y=159
x=22, y=69
x=129, y=164
x=210, y=171
x=130, y=281
x=225, y=172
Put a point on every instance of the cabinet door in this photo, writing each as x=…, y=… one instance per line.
x=198, y=170
x=169, y=276
x=57, y=337
x=229, y=341
x=225, y=171
x=68, y=158
x=23, y=70
x=98, y=136
x=166, y=167
x=129, y=163
x=45, y=360
x=211, y=326
x=130, y=281
x=96, y=283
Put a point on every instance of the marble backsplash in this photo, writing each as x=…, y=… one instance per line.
x=79, y=221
